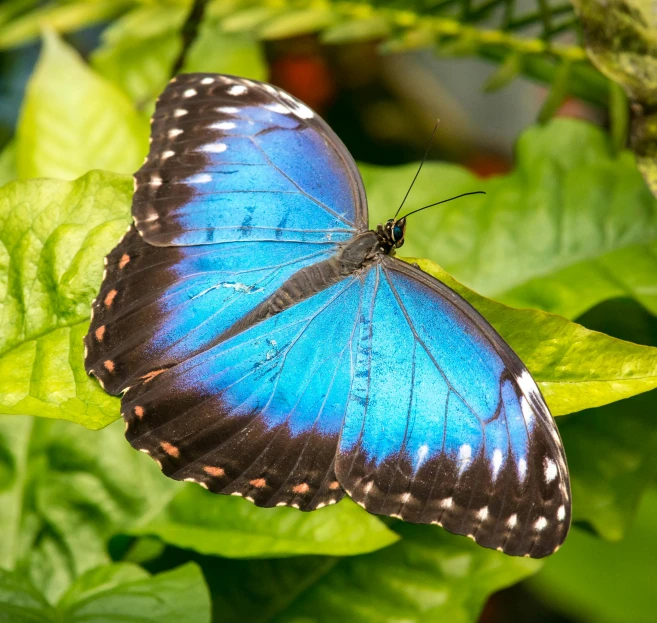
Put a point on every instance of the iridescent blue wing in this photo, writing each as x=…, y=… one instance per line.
x=260, y=414
x=233, y=159
x=445, y=425
x=243, y=186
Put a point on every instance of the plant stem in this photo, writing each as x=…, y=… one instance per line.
x=189, y=33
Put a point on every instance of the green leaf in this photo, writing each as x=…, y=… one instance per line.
x=247, y=20
x=11, y=8
x=139, y=49
x=64, y=17
x=20, y=600
x=64, y=491
x=505, y=73
x=591, y=580
x=124, y=592
x=612, y=457
x=296, y=23
x=119, y=592
x=70, y=126
x=235, y=528
x=576, y=368
x=367, y=29
x=559, y=89
x=619, y=113
x=144, y=549
x=644, y=143
x=612, y=450
x=8, y=163
x=429, y=575
x=52, y=238
x=215, y=50
x=571, y=226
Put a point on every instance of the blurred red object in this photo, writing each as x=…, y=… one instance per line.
x=488, y=164
x=307, y=77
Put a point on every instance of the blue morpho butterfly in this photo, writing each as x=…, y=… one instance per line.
x=268, y=345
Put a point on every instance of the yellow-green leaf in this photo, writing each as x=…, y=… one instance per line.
x=233, y=527
x=572, y=225
x=73, y=120
x=53, y=236
x=575, y=368
x=139, y=49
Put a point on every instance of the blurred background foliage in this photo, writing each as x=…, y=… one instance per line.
x=548, y=106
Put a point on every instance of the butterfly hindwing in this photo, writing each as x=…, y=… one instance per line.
x=260, y=414
x=445, y=425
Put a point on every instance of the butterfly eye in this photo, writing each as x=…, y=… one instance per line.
x=397, y=233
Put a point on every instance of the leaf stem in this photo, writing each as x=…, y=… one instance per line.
x=189, y=33
x=447, y=27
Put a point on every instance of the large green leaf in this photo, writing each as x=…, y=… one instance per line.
x=612, y=450
x=215, y=50
x=60, y=16
x=429, y=575
x=119, y=592
x=576, y=368
x=64, y=491
x=591, y=580
x=73, y=120
x=612, y=457
x=53, y=236
x=138, y=50
x=571, y=226
x=235, y=528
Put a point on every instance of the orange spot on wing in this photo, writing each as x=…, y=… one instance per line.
x=258, y=483
x=109, y=365
x=139, y=412
x=100, y=332
x=214, y=471
x=151, y=375
x=334, y=485
x=170, y=449
x=109, y=299
x=302, y=488
x=125, y=258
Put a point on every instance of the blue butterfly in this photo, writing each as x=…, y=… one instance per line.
x=267, y=344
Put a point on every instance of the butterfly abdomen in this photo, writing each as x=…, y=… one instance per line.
x=309, y=281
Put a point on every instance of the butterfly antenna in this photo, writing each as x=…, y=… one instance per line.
x=476, y=192
x=426, y=153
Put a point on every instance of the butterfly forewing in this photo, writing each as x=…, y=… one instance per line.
x=232, y=159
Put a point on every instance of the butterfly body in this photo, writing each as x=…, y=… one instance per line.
x=267, y=344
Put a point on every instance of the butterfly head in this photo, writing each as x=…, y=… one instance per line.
x=391, y=235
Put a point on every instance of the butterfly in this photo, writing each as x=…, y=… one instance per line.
x=267, y=344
